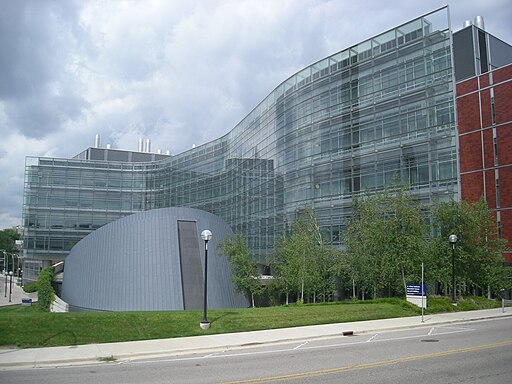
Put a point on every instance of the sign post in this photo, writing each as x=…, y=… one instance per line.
x=422, y=292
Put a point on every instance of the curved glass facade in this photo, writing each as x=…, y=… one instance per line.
x=350, y=123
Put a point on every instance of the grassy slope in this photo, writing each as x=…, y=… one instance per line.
x=28, y=327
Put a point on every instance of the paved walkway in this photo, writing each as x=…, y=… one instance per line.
x=95, y=353
x=13, y=292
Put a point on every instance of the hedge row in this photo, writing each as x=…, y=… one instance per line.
x=45, y=292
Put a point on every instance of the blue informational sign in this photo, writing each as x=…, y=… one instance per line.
x=415, y=289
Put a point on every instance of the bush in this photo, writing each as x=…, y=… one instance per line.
x=30, y=287
x=470, y=303
x=45, y=292
x=442, y=304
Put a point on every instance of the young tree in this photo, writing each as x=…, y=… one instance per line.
x=325, y=263
x=8, y=239
x=288, y=263
x=485, y=270
x=385, y=240
x=328, y=264
x=447, y=220
x=362, y=241
x=303, y=262
x=405, y=234
x=478, y=251
x=244, y=271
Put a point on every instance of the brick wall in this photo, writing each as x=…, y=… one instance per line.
x=475, y=128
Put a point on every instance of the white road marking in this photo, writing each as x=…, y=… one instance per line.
x=301, y=345
x=371, y=338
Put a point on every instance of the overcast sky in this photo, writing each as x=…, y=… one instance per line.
x=179, y=72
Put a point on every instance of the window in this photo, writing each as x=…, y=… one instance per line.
x=493, y=111
x=497, y=189
x=495, y=145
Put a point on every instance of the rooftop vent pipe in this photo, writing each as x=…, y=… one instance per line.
x=479, y=22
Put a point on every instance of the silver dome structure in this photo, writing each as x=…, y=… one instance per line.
x=152, y=260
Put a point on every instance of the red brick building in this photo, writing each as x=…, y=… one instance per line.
x=483, y=73
x=484, y=113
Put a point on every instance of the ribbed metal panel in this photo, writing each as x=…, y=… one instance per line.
x=134, y=264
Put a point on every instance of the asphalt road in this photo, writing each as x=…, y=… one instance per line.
x=472, y=352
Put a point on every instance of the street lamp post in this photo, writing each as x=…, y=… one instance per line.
x=453, y=239
x=12, y=259
x=206, y=235
x=1, y=250
x=5, y=277
x=10, y=286
x=5, y=261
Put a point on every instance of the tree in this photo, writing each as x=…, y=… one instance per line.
x=303, y=262
x=478, y=252
x=321, y=262
x=385, y=241
x=405, y=234
x=329, y=262
x=244, y=271
x=8, y=239
x=361, y=239
x=287, y=263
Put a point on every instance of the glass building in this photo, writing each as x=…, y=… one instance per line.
x=347, y=124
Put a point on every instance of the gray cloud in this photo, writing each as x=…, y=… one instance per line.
x=180, y=73
x=37, y=40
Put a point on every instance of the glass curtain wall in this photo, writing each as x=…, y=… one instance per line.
x=351, y=123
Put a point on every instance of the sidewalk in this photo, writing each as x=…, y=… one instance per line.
x=14, y=292
x=95, y=353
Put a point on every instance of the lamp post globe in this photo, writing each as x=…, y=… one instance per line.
x=453, y=240
x=206, y=235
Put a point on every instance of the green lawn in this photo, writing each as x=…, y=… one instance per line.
x=28, y=327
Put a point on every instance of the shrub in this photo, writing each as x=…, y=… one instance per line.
x=45, y=292
x=30, y=287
